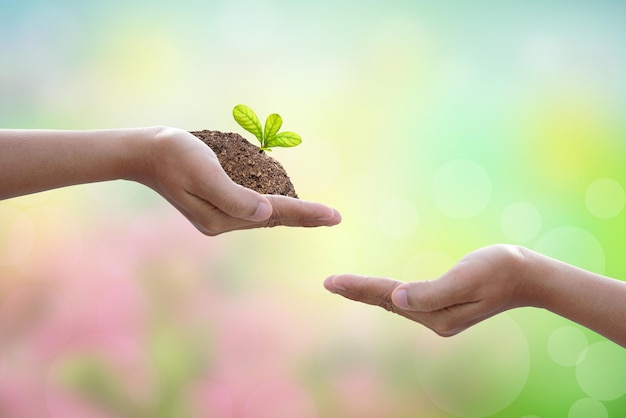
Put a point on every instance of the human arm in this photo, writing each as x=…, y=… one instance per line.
x=171, y=161
x=492, y=280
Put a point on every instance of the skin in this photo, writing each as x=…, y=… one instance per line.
x=492, y=280
x=171, y=161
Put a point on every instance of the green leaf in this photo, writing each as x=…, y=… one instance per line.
x=248, y=121
x=284, y=139
x=272, y=126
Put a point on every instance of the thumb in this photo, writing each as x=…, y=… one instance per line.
x=258, y=208
x=235, y=200
x=427, y=296
x=242, y=203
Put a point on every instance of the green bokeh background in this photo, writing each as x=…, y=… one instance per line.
x=435, y=128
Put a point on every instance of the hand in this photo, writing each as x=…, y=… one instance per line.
x=187, y=173
x=171, y=161
x=484, y=283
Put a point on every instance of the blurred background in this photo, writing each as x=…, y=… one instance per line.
x=435, y=128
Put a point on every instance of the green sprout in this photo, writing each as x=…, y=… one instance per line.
x=268, y=137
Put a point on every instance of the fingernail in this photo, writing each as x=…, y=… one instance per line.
x=336, y=217
x=263, y=211
x=330, y=214
x=400, y=299
x=336, y=285
x=328, y=284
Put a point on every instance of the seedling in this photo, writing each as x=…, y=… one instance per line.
x=268, y=137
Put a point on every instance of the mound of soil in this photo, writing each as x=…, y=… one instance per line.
x=246, y=164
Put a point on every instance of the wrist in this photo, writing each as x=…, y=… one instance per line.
x=534, y=289
x=141, y=151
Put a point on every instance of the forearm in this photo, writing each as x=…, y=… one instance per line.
x=37, y=160
x=594, y=301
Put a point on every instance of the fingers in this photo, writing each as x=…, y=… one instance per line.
x=286, y=211
x=371, y=290
x=429, y=296
x=445, y=320
x=232, y=199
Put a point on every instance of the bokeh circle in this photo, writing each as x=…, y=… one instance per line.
x=461, y=188
x=605, y=198
x=601, y=373
x=478, y=372
x=397, y=218
x=521, y=222
x=567, y=345
x=588, y=408
x=573, y=245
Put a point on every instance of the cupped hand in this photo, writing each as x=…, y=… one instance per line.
x=187, y=173
x=485, y=282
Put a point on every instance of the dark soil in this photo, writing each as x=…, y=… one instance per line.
x=246, y=164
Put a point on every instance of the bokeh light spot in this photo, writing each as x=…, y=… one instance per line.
x=56, y=246
x=306, y=169
x=237, y=341
x=588, y=408
x=94, y=374
x=521, y=222
x=17, y=242
x=573, y=245
x=478, y=372
x=279, y=399
x=358, y=321
x=348, y=356
x=543, y=56
x=398, y=218
x=605, y=198
x=121, y=313
x=601, y=374
x=305, y=261
x=35, y=322
x=565, y=346
x=206, y=399
x=461, y=188
x=563, y=139
x=427, y=265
